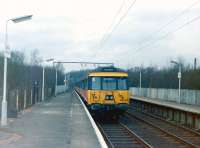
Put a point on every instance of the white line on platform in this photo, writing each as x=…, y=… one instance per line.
x=98, y=133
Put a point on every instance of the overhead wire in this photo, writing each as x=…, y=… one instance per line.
x=174, y=19
x=118, y=23
x=108, y=34
x=113, y=21
x=109, y=27
x=171, y=32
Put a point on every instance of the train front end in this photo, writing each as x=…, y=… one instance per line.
x=108, y=91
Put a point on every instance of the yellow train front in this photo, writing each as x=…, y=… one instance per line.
x=105, y=90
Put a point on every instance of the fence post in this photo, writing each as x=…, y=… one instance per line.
x=195, y=96
x=24, y=98
x=31, y=97
x=17, y=100
x=35, y=95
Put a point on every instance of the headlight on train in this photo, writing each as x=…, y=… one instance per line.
x=109, y=97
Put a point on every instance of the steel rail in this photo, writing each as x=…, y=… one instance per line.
x=117, y=140
x=167, y=125
x=130, y=115
x=138, y=137
x=109, y=143
x=173, y=124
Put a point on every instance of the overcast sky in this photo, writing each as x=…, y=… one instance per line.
x=71, y=30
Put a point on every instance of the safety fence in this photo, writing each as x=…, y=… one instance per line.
x=20, y=99
x=187, y=96
x=61, y=89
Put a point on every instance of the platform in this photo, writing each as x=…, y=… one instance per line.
x=59, y=123
x=195, y=109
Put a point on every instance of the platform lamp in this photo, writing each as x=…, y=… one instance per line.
x=140, y=80
x=179, y=77
x=54, y=65
x=6, y=56
x=43, y=77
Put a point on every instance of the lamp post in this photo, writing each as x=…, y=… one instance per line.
x=68, y=80
x=6, y=56
x=140, y=82
x=54, y=62
x=56, y=81
x=179, y=77
x=43, y=77
x=65, y=80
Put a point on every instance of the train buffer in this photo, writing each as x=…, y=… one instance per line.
x=62, y=122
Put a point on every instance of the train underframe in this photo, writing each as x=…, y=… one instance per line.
x=107, y=111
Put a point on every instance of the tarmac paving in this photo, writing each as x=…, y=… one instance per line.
x=59, y=123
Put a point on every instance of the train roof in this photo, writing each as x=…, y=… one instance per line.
x=108, y=71
x=109, y=74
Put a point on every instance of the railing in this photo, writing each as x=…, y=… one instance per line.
x=61, y=89
x=20, y=99
x=187, y=96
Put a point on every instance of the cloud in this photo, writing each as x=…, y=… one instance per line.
x=72, y=30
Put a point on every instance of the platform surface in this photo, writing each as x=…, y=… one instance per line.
x=184, y=107
x=59, y=123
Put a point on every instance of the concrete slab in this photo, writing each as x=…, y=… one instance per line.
x=184, y=107
x=60, y=123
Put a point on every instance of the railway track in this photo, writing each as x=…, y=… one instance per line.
x=118, y=135
x=177, y=136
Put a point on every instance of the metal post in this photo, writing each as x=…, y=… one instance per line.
x=35, y=92
x=65, y=81
x=17, y=101
x=68, y=80
x=140, y=82
x=56, y=82
x=24, y=98
x=4, y=101
x=7, y=55
x=179, y=77
x=43, y=83
x=31, y=96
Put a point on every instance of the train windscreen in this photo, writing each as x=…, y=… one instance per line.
x=108, y=83
x=96, y=83
x=122, y=83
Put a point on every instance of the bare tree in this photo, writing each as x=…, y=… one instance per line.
x=35, y=58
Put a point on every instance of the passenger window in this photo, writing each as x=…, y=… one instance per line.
x=122, y=84
x=96, y=83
